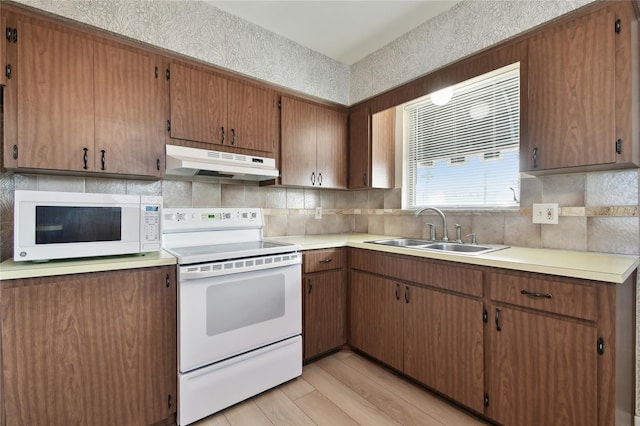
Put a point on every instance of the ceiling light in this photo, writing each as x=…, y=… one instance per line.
x=442, y=96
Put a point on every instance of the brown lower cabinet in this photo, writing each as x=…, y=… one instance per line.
x=96, y=348
x=429, y=335
x=324, y=289
x=521, y=349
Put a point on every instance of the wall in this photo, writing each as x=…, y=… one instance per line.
x=443, y=40
x=599, y=211
x=203, y=32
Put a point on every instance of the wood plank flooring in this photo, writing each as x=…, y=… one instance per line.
x=343, y=389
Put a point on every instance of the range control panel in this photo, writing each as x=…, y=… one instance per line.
x=177, y=219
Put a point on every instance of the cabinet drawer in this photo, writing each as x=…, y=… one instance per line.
x=322, y=260
x=445, y=275
x=557, y=297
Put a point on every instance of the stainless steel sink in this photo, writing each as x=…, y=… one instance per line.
x=401, y=242
x=463, y=248
x=441, y=246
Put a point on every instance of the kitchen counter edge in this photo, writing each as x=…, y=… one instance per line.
x=11, y=270
x=605, y=267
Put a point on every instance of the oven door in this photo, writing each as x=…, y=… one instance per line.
x=223, y=316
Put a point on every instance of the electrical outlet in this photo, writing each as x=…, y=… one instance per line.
x=545, y=213
x=318, y=212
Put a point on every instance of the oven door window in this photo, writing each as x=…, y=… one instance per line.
x=236, y=305
x=62, y=224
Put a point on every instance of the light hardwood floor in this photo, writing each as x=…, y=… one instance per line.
x=343, y=389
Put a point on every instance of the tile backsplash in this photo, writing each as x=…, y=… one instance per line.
x=598, y=211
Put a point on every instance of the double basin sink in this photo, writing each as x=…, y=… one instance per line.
x=440, y=246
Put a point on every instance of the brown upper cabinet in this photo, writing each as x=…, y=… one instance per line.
x=582, y=82
x=73, y=103
x=314, y=145
x=372, y=149
x=3, y=48
x=211, y=109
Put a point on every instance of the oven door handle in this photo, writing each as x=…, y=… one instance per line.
x=186, y=274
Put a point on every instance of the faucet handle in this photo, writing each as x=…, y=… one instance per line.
x=458, y=233
x=474, y=241
x=432, y=231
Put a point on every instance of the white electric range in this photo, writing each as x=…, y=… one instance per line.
x=239, y=307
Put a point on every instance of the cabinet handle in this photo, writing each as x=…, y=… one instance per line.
x=85, y=158
x=536, y=295
x=12, y=35
x=406, y=294
x=397, y=291
x=535, y=157
x=233, y=136
x=223, y=134
x=319, y=179
x=103, y=159
x=364, y=179
x=498, y=326
x=310, y=285
x=328, y=260
x=7, y=71
x=313, y=178
x=15, y=152
x=158, y=164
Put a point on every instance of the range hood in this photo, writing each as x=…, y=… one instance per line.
x=184, y=161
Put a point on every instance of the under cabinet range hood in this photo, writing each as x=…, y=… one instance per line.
x=185, y=161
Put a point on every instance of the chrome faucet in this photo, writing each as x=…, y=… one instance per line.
x=445, y=236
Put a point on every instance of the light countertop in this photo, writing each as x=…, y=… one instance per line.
x=611, y=268
x=15, y=270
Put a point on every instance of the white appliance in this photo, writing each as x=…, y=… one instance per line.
x=239, y=308
x=61, y=225
x=185, y=161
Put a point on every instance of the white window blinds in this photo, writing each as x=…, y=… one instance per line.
x=464, y=154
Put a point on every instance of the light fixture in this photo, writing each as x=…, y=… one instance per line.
x=442, y=96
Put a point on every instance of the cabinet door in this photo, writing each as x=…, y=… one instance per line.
x=359, y=149
x=251, y=120
x=376, y=310
x=383, y=146
x=331, y=148
x=54, y=78
x=130, y=111
x=541, y=370
x=198, y=105
x=298, y=124
x=325, y=312
x=571, y=104
x=443, y=344
x=95, y=349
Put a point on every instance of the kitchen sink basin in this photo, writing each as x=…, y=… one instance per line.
x=441, y=246
x=463, y=248
x=402, y=242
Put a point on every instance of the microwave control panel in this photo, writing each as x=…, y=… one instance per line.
x=150, y=232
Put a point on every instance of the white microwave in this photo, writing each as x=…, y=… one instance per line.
x=63, y=225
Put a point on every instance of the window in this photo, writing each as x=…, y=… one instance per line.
x=464, y=154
